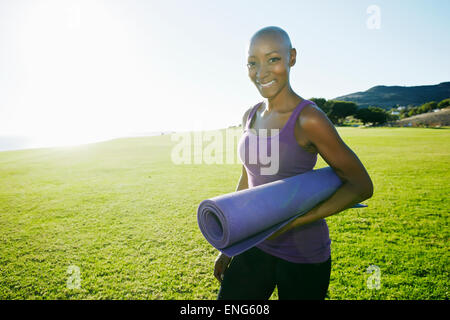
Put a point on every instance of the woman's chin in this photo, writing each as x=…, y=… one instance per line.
x=270, y=92
x=267, y=94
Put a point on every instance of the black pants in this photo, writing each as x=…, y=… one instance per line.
x=254, y=274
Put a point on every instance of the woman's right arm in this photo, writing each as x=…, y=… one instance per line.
x=222, y=261
x=243, y=180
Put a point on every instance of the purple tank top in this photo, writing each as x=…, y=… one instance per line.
x=309, y=243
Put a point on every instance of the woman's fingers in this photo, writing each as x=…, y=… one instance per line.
x=218, y=274
x=220, y=267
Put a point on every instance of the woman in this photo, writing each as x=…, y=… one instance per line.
x=296, y=258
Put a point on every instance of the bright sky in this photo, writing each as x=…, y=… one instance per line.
x=81, y=69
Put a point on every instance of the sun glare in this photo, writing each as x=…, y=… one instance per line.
x=76, y=61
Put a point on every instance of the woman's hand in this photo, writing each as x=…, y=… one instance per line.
x=220, y=265
x=293, y=224
x=301, y=220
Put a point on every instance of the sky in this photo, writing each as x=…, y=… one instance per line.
x=71, y=70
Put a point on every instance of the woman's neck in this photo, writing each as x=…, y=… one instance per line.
x=284, y=101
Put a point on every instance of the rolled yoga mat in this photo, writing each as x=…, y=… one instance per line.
x=238, y=221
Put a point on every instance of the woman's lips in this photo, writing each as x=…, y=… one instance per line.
x=267, y=84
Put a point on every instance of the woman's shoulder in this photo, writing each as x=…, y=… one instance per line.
x=311, y=114
x=247, y=113
x=313, y=121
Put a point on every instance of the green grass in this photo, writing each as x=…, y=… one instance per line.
x=126, y=216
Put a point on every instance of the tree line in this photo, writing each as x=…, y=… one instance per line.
x=337, y=111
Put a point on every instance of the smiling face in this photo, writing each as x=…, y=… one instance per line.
x=270, y=57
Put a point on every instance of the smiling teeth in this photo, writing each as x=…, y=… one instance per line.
x=267, y=84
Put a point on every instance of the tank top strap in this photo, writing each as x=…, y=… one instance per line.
x=293, y=118
x=252, y=113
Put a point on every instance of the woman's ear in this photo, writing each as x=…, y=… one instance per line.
x=292, y=57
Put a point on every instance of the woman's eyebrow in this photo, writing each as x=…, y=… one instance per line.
x=266, y=54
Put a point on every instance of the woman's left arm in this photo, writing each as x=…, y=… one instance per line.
x=357, y=185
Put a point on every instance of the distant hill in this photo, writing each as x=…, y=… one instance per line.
x=389, y=96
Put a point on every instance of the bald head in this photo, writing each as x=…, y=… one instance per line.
x=273, y=34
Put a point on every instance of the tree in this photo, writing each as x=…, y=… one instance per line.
x=426, y=107
x=444, y=103
x=392, y=117
x=363, y=114
x=341, y=109
x=374, y=115
x=378, y=115
x=413, y=111
x=321, y=103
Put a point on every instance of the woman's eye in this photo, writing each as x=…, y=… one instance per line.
x=271, y=60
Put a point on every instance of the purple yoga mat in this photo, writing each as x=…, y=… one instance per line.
x=238, y=221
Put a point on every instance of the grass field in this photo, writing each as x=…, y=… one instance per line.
x=124, y=215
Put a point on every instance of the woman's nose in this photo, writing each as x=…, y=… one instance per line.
x=261, y=72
